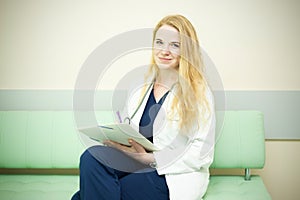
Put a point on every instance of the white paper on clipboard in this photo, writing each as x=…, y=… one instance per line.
x=120, y=133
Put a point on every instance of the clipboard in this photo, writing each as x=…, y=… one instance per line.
x=120, y=133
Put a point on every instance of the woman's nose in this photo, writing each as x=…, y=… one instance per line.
x=165, y=49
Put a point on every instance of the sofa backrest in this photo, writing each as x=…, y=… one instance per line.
x=241, y=141
x=40, y=139
x=49, y=139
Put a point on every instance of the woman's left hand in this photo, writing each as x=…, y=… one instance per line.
x=135, y=151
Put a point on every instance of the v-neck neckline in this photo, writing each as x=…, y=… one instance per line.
x=161, y=100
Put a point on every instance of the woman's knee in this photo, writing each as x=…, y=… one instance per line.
x=91, y=161
x=87, y=158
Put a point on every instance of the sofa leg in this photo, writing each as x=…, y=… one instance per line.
x=247, y=174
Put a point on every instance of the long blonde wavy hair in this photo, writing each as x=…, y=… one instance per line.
x=192, y=85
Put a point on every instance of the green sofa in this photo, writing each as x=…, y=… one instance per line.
x=47, y=142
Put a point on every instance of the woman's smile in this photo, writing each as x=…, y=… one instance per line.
x=165, y=60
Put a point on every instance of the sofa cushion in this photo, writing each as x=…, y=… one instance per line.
x=236, y=188
x=37, y=187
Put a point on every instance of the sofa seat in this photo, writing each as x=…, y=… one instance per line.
x=236, y=188
x=37, y=187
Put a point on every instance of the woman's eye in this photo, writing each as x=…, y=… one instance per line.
x=175, y=45
x=159, y=42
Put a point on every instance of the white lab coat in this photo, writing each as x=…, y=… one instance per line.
x=184, y=160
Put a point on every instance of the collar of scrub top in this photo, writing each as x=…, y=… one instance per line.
x=141, y=101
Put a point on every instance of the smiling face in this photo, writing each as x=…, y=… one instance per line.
x=166, y=47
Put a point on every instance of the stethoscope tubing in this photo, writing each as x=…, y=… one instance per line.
x=139, y=105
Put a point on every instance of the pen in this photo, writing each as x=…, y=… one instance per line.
x=119, y=116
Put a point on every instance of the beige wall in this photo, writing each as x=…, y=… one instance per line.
x=281, y=172
x=253, y=43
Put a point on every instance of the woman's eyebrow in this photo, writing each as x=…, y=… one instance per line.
x=158, y=39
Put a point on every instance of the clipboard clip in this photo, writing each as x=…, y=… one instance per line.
x=106, y=127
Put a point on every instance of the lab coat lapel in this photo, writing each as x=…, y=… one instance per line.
x=136, y=97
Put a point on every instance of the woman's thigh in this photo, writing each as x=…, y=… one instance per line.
x=115, y=159
x=146, y=186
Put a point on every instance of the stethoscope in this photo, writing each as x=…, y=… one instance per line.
x=129, y=119
x=139, y=105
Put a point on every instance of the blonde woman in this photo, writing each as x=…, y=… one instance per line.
x=175, y=111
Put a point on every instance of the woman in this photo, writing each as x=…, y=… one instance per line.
x=176, y=113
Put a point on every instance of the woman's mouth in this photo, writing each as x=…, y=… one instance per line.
x=162, y=59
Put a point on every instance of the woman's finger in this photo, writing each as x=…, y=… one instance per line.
x=118, y=146
x=139, y=148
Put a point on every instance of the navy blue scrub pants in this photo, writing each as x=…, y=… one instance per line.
x=108, y=174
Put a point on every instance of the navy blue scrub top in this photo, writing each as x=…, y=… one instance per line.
x=149, y=115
